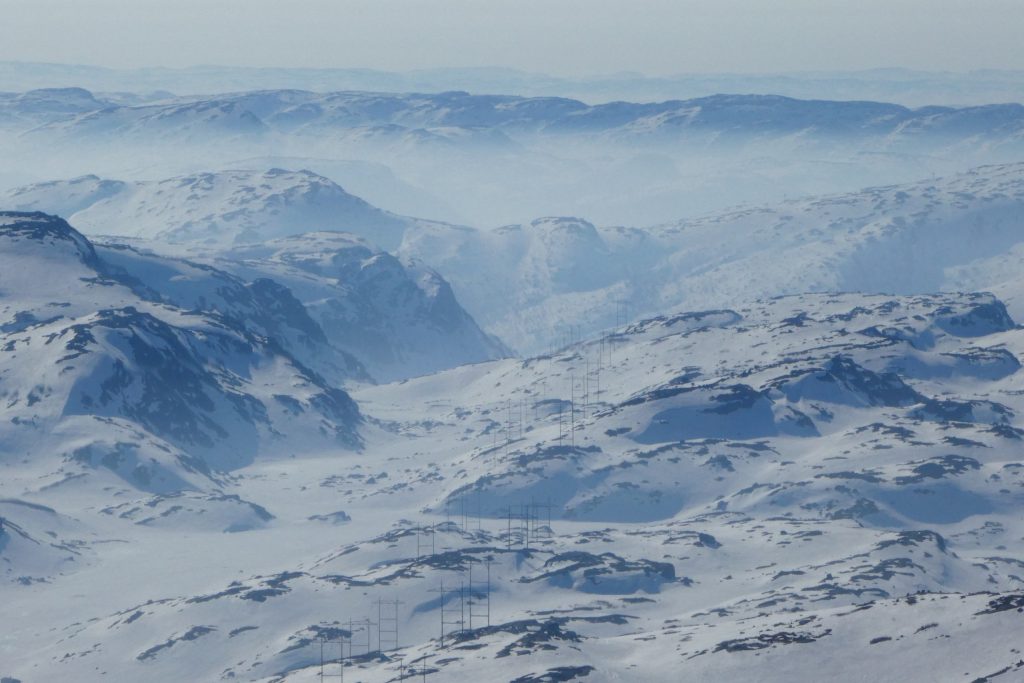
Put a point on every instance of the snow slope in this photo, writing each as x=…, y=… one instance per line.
x=532, y=284
x=955, y=233
x=401, y=319
x=260, y=305
x=104, y=380
x=804, y=487
x=212, y=209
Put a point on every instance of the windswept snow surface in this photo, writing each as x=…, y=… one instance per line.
x=811, y=487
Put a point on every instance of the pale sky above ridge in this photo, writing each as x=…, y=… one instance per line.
x=562, y=37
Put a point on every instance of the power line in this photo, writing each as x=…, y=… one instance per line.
x=387, y=624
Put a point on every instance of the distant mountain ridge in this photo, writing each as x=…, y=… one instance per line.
x=906, y=86
x=74, y=113
x=498, y=159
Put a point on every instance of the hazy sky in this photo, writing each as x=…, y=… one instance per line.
x=567, y=37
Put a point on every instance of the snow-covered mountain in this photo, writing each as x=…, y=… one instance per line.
x=786, y=374
x=774, y=491
x=212, y=209
x=374, y=182
x=34, y=107
x=910, y=238
x=256, y=113
x=103, y=378
x=907, y=86
x=399, y=319
x=531, y=285
x=260, y=305
x=955, y=233
x=713, y=462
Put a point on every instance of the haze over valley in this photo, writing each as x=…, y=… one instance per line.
x=351, y=372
